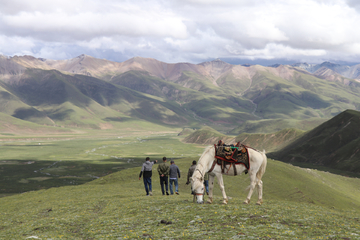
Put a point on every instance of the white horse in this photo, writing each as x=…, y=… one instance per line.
x=207, y=161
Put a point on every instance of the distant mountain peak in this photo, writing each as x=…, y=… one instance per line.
x=82, y=56
x=216, y=62
x=275, y=65
x=329, y=64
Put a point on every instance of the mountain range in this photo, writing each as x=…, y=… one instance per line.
x=326, y=69
x=96, y=93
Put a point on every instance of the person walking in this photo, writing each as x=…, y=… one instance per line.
x=190, y=172
x=173, y=177
x=163, y=170
x=146, y=171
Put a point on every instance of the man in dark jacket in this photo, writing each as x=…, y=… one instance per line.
x=191, y=171
x=173, y=177
x=163, y=170
x=146, y=171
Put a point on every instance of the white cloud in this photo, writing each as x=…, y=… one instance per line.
x=16, y=45
x=272, y=51
x=128, y=20
x=182, y=30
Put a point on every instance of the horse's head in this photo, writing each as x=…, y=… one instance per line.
x=197, y=186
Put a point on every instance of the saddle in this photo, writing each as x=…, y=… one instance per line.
x=232, y=154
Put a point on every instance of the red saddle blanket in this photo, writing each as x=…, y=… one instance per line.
x=229, y=154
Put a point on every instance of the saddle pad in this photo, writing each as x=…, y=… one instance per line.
x=237, y=154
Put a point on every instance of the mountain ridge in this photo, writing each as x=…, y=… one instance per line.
x=214, y=93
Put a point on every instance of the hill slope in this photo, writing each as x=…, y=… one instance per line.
x=217, y=94
x=297, y=202
x=206, y=135
x=269, y=141
x=334, y=144
x=53, y=98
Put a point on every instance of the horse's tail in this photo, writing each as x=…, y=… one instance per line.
x=262, y=169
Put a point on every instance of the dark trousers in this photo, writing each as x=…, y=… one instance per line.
x=164, y=180
x=147, y=184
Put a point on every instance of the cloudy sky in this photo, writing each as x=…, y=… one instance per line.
x=236, y=31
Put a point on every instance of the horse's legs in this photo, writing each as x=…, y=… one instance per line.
x=251, y=187
x=260, y=190
x=211, y=187
x=222, y=187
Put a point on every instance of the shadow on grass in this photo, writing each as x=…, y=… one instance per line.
x=18, y=176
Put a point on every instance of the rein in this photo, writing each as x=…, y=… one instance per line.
x=201, y=179
x=202, y=175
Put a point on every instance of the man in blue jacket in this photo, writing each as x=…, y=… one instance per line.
x=146, y=171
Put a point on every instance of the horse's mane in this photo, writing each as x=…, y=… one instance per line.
x=198, y=174
x=207, y=149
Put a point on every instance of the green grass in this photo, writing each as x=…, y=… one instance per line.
x=275, y=125
x=115, y=207
x=206, y=135
x=74, y=160
x=298, y=202
x=333, y=144
x=270, y=141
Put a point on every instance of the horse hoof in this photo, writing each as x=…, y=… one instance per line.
x=259, y=202
x=246, y=202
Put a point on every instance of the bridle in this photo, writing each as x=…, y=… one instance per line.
x=200, y=179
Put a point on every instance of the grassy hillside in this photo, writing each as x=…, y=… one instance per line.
x=10, y=126
x=54, y=98
x=267, y=141
x=275, y=125
x=299, y=97
x=298, y=203
x=333, y=144
x=200, y=99
x=86, y=92
x=270, y=141
x=206, y=135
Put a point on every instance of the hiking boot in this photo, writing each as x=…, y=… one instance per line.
x=167, y=193
x=150, y=193
x=177, y=193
